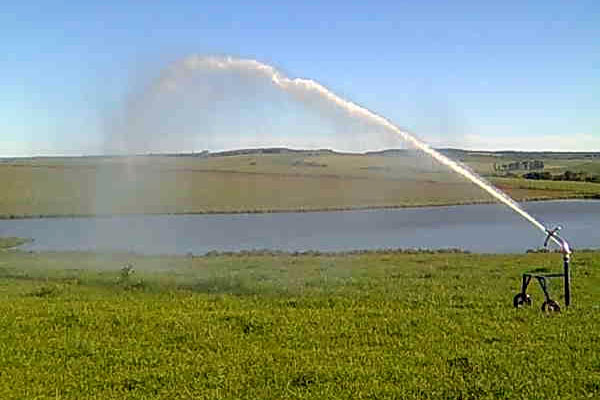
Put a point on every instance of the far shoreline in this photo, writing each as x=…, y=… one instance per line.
x=295, y=210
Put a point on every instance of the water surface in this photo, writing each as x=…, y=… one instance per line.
x=478, y=228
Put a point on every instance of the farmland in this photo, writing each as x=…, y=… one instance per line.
x=258, y=182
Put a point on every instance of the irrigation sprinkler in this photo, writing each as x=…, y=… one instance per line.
x=522, y=298
x=314, y=88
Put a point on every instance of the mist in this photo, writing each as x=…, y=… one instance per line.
x=192, y=105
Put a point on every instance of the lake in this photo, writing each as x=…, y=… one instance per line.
x=479, y=228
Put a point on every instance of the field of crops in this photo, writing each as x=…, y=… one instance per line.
x=249, y=183
x=271, y=326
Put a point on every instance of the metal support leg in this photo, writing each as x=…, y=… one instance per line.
x=525, y=284
x=544, y=287
x=567, y=280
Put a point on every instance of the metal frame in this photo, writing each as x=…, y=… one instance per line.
x=522, y=297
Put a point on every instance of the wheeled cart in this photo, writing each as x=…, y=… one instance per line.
x=523, y=299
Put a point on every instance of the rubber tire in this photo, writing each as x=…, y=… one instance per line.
x=521, y=300
x=551, y=306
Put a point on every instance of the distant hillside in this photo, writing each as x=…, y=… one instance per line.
x=280, y=179
x=271, y=150
x=450, y=152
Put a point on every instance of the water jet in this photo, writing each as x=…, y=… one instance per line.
x=300, y=86
x=303, y=87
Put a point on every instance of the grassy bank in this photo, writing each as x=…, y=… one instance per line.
x=372, y=325
x=11, y=242
x=249, y=183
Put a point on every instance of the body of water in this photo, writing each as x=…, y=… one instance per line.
x=478, y=228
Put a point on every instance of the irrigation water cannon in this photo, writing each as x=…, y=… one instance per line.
x=311, y=87
x=522, y=298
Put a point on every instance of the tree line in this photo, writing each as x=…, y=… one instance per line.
x=565, y=176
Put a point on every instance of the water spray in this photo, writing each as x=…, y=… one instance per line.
x=308, y=86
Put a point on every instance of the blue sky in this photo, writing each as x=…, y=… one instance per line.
x=484, y=75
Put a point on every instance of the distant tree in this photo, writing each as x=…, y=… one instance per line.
x=538, y=175
x=569, y=175
x=574, y=176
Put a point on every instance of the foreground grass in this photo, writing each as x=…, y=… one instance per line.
x=373, y=325
x=249, y=183
x=11, y=242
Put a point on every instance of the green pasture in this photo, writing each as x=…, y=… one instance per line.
x=255, y=183
x=385, y=325
x=555, y=163
x=528, y=189
x=263, y=183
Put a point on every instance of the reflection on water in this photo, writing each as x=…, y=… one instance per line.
x=478, y=228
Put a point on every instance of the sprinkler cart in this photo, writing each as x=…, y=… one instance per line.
x=550, y=305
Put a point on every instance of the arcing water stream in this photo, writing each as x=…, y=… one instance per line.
x=306, y=86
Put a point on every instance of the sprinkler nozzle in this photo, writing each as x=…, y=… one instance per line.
x=553, y=234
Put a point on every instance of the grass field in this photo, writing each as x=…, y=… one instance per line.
x=382, y=325
x=10, y=242
x=255, y=183
x=556, y=163
x=546, y=190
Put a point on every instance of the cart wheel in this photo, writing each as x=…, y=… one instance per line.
x=551, y=306
x=522, y=299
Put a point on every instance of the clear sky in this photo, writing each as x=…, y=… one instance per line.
x=474, y=74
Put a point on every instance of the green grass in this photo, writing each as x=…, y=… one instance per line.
x=372, y=325
x=224, y=184
x=557, y=164
x=10, y=242
x=527, y=189
x=254, y=183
